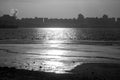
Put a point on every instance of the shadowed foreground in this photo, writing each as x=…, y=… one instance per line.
x=89, y=71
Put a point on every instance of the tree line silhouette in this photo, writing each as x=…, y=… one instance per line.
x=7, y=21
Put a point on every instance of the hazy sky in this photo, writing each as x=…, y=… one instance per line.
x=61, y=8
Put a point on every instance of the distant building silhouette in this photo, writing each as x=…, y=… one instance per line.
x=79, y=22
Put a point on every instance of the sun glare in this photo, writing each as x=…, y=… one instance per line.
x=52, y=34
x=55, y=41
x=54, y=66
x=59, y=67
x=55, y=52
x=56, y=29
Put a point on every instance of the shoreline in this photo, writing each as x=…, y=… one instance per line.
x=88, y=42
x=87, y=71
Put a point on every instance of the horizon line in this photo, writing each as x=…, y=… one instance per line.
x=62, y=17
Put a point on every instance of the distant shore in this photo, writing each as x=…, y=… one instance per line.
x=88, y=71
x=81, y=21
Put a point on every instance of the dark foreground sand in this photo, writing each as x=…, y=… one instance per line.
x=88, y=71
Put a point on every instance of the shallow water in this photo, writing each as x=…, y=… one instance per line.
x=57, y=58
x=53, y=53
x=60, y=34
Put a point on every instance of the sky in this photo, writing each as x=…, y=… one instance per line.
x=61, y=8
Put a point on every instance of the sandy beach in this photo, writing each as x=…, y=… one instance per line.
x=59, y=61
x=88, y=42
x=89, y=71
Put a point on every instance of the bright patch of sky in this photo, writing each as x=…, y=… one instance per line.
x=61, y=8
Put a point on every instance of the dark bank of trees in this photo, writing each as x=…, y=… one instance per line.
x=7, y=21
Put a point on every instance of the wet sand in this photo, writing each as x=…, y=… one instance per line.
x=87, y=71
x=87, y=42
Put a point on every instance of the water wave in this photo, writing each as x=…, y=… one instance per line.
x=89, y=57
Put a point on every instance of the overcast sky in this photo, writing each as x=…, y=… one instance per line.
x=61, y=8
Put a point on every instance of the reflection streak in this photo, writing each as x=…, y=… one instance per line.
x=57, y=63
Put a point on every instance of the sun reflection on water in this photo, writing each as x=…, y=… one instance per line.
x=56, y=29
x=51, y=57
x=59, y=67
x=57, y=62
x=55, y=33
x=55, y=52
x=54, y=66
x=55, y=41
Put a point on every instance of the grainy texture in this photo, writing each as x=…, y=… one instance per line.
x=89, y=71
